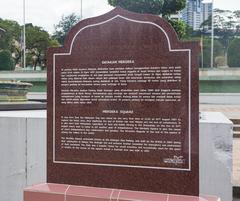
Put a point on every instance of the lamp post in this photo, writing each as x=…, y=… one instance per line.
x=202, y=59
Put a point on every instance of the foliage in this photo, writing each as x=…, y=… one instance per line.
x=156, y=7
x=220, y=61
x=65, y=24
x=9, y=40
x=218, y=51
x=6, y=61
x=226, y=26
x=180, y=27
x=54, y=43
x=234, y=53
x=140, y=6
x=172, y=6
x=13, y=32
x=37, y=43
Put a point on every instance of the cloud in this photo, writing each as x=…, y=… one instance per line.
x=46, y=13
x=207, y=1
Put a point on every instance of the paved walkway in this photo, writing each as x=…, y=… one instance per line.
x=231, y=111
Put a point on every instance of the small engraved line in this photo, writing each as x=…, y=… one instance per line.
x=65, y=194
x=111, y=194
x=118, y=195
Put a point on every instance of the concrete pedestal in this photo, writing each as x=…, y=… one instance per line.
x=61, y=192
x=215, y=153
x=23, y=162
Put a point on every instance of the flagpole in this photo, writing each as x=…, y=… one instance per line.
x=24, y=34
x=212, y=37
x=202, y=49
x=81, y=10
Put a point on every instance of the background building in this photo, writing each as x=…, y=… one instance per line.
x=196, y=12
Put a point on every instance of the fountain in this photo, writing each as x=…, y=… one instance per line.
x=14, y=91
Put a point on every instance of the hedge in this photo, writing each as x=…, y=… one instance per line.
x=6, y=61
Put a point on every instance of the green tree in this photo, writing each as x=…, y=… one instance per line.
x=6, y=61
x=237, y=17
x=65, y=24
x=156, y=7
x=172, y=6
x=37, y=42
x=10, y=39
x=226, y=26
x=180, y=27
x=140, y=6
x=54, y=43
x=234, y=53
x=13, y=31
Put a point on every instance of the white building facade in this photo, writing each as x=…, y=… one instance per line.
x=196, y=12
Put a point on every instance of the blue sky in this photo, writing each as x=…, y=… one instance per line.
x=46, y=13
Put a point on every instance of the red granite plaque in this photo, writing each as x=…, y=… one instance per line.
x=123, y=106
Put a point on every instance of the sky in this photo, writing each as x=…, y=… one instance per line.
x=47, y=13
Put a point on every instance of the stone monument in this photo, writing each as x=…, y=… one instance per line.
x=123, y=111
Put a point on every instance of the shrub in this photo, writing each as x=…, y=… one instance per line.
x=218, y=51
x=6, y=60
x=234, y=53
x=220, y=61
x=179, y=26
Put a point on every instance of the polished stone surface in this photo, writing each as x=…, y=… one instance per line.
x=123, y=106
x=56, y=192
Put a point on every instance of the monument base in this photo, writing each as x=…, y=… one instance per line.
x=61, y=192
